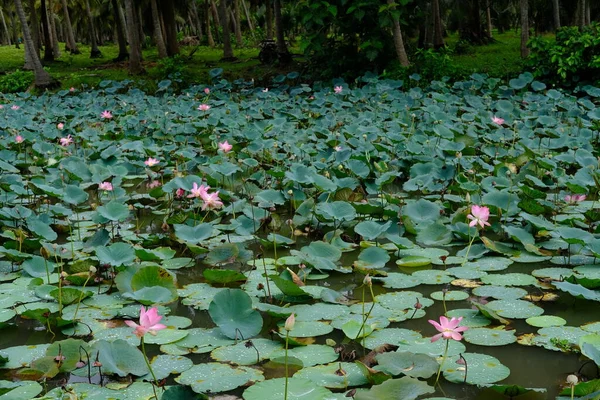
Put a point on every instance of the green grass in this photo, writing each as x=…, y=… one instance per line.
x=80, y=70
x=500, y=59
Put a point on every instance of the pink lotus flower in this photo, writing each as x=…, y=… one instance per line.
x=575, y=198
x=265, y=90
x=71, y=89
x=60, y=126
x=151, y=162
x=448, y=329
x=203, y=107
x=149, y=322
x=105, y=186
x=479, y=215
x=15, y=107
x=338, y=89
x=179, y=192
x=1, y=106
x=198, y=191
x=338, y=148
x=497, y=120
x=65, y=141
x=211, y=201
x=225, y=147
x=19, y=139
x=207, y=90
x=290, y=322
x=153, y=184
x=106, y=114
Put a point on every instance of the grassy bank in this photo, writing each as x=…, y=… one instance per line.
x=500, y=59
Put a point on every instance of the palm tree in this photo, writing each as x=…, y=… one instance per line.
x=398, y=41
x=51, y=19
x=71, y=43
x=237, y=19
x=438, y=38
x=209, y=35
x=135, y=49
x=95, y=51
x=41, y=76
x=35, y=28
x=227, y=49
x=556, y=14
x=120, y=27
x=48, y=51
x=157, y=30
x=5, y=27
x=284, y=55
x=524, y=5
x=168, y=13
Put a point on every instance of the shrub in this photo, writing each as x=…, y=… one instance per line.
x=17, y=81
x=574, y=57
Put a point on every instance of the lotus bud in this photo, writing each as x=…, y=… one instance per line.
x=468, y=198
x=367, y=281
x=572, y=380
x=92, y=270
x=290, y=192
x=290, y=322
x=80, y=364
x=458, y=154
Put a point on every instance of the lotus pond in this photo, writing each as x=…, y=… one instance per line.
x=361, y=211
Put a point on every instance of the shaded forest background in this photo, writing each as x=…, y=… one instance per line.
x=323, y=39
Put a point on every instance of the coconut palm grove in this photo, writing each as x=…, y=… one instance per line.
x=299, y=200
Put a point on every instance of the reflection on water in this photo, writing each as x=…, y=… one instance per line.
x=531, y=367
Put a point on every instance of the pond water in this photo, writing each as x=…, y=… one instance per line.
x=476, y=200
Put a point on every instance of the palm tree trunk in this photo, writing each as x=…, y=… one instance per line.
x=70, y=36
x=556, y=14
x=588, y=13
x=48, y=53
x=5, y=27
x=94, y=52
x=524, y=5
x=281, y=46
x=196, y=20
x=269, y=18
x=35, y=28
x=238, y=23
x=488, y=17
x=120, y=28
x=227, y=49
x=13, y=24
x=438, y=38
x=247, y=13
x=55, y=44
x=158, y=38
x=42, y=78
x=135, y=50
x=168, y=14
x=398, y=41
x=209, y=35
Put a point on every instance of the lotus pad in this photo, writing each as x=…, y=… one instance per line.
x=515, y=308
x=512, y=279
x=217, y=377
x=561, y=338
x=545, y=321
x=398, y=280
x=489, y=337
x=403, y=300
x=451, y=295
x=432, y=349
x=298, y=389
x=303, y=329
x=471, y=318
x=482, y=369
x=489, y=264
x=330, y=375
x=244, y=354
x=500, y=292
x=405, y=388
x=165, y=365
x=310, y=355
x=395, y=336
x=410, y=364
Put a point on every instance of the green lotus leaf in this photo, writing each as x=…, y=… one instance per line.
x=403, y=388
x=481, y=369
x=297, y=389
x=217, y=377
x=231, y=310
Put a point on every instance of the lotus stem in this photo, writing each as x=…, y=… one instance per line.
x=81, y=297
x=287, y=337
x=155, y=383
x=468, y=248
x=437, y=378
